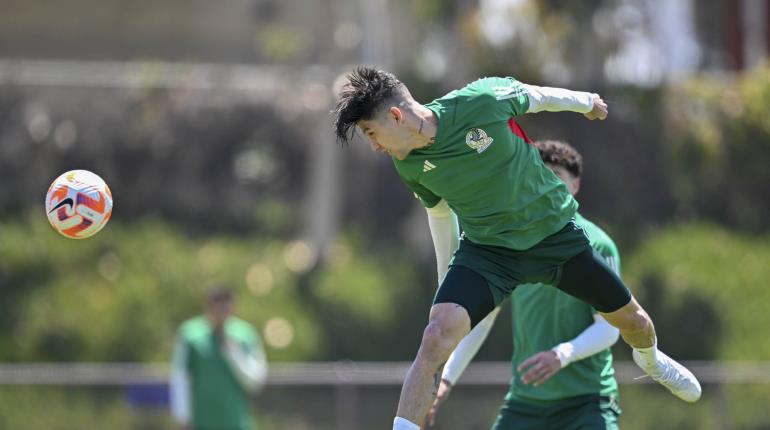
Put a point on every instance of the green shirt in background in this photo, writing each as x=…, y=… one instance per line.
x=218, y=400
x=495, y=182
x=543, y=317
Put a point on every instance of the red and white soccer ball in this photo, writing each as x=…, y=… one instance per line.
x=78, y=204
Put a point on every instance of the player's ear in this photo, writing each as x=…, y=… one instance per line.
x=396, y=113
x=576, y=186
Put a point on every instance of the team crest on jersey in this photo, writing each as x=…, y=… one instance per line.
x=477, y=139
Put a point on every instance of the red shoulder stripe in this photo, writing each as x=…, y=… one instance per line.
x=518, y=131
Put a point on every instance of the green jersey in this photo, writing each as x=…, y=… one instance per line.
x=494, y=181
x=544, y=316
x=218, y=400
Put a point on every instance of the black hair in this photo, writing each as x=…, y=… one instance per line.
x=219, y=292
x=561, y=154
x=361, y=97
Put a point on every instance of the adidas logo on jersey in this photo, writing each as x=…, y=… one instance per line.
x=509, y=91
x=428, y=166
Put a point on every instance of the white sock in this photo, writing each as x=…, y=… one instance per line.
x=404, y=424
x=649, y=355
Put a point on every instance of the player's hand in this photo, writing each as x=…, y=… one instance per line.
x=539, y=368
x=443, y=392
x=600, y=109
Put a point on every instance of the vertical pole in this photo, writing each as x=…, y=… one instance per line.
x=754, y=24
x=720, y=407
x=767, y=28
x=346, y=404
x=323, y=198
x=377, y=46
x=734, y=34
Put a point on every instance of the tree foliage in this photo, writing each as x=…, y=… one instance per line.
x=717, y=148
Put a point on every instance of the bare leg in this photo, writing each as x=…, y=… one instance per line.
x=638, y=331
x=634, y=324
x=448, y=324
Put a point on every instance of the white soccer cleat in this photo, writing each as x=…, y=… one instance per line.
x=672, y=375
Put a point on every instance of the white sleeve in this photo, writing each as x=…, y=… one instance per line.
x=597, y=337
x=179, y=385
x=445, y=232
x=558, y=99
x=467, y=348
x=249, y=366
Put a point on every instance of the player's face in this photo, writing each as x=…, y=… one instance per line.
x=219, y=310
x=387, y=133
x=573, y=183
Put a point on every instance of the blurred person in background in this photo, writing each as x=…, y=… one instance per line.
x=563, y=377
x=458, y=156
x=218, y=363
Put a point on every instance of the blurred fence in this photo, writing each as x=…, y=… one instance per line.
x=353, y=373
x=260, y=80
x=350, y=395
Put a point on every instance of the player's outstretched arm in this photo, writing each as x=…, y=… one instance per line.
x=599, y=110
x=559, y=100
x=445, y=231
x=179, y=386
x=468, y=347
x=595, y=338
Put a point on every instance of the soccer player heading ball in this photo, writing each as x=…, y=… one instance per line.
x=459, y=157
x=562, y=365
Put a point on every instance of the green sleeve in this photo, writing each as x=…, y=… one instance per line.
x=507, y=94
x=252, y=345
x=426, y=197
x=250, y=339
x=180, y=359
x=257, y=349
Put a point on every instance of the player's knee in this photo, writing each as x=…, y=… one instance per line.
x=439, y=340
x=437, y=344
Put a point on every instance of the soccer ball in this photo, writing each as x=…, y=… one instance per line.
x=78, y=204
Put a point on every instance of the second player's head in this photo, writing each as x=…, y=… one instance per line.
x=564, y=160
x=381, y=106
x=219, y=305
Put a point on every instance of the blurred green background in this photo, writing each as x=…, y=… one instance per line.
x=209, y=121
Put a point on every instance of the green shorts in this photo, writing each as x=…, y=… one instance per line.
x=592, y=412
x=481, y=277
x=504, y=268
